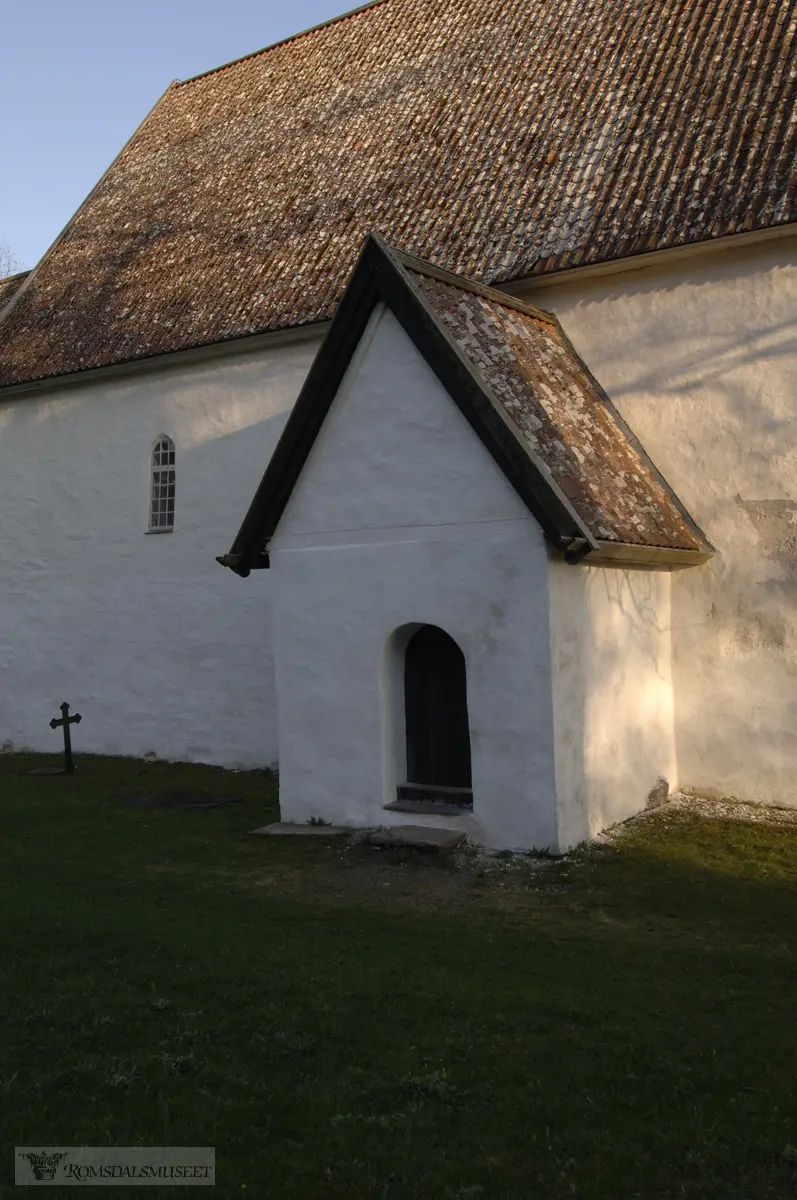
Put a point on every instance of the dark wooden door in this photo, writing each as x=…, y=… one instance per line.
x=436, y=701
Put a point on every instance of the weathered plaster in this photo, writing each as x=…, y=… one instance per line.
x=700, y=356
x=402, y=517
x=160, y=649
x=612, y=694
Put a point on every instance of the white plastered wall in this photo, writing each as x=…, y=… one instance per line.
x=613, y=695
x=400, y=517
x=160, y=649
x=700, y=356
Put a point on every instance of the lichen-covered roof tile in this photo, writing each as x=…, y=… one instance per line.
x=498, y=138
x=538, y=379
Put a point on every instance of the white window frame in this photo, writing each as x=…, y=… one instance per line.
x=162, y=483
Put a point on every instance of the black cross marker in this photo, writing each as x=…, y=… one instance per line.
x=66, y=721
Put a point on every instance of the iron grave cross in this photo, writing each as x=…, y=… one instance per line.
x=66, y=721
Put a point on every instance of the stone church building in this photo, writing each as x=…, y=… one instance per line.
x=477, y=320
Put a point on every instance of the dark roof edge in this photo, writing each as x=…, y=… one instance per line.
x=247, y=343
x=329, y=366
x=551, y=514
x=421, y=267
x=381, y=276
x=16, y=275
x=20, y=292
x=292, y=37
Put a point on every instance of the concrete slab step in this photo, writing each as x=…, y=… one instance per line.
x=419, y=837
x=286, y=829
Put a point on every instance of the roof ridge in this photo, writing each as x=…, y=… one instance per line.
x=292, y=37
x=423, y=267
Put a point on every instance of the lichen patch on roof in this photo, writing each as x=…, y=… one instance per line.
x=569, y=425
x=498, y=138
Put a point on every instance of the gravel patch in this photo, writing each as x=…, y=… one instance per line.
x=704, y=806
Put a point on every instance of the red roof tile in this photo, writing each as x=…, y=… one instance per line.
x=563, y=418
x=527, y=395
x=498, y=138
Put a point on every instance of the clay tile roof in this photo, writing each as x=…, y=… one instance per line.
x=498, y=138
x=562, y=416
x=527, y=395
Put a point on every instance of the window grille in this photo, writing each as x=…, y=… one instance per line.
x=161, y=505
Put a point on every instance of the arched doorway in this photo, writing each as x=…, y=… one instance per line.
x=436, y=715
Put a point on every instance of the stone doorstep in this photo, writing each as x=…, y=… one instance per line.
x=428, y=808
x=285, y=829
x=419, y=837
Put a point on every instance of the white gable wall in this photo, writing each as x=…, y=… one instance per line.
x=400, y=517
x=158, y=647
x=700, y=356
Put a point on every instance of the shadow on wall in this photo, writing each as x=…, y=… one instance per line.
x=216, y=477
x=688, y=337
x=706, y=381
x=694, y=367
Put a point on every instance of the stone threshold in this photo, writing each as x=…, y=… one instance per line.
x=428, y=808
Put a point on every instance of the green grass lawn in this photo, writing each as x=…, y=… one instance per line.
x=342, y=1022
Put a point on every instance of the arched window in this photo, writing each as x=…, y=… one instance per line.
x=436, y=709
x=161, y=496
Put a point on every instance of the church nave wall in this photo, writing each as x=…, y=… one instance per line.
x=161, y=649
x=699, y=354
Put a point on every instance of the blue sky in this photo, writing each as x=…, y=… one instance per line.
x=80, y=75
